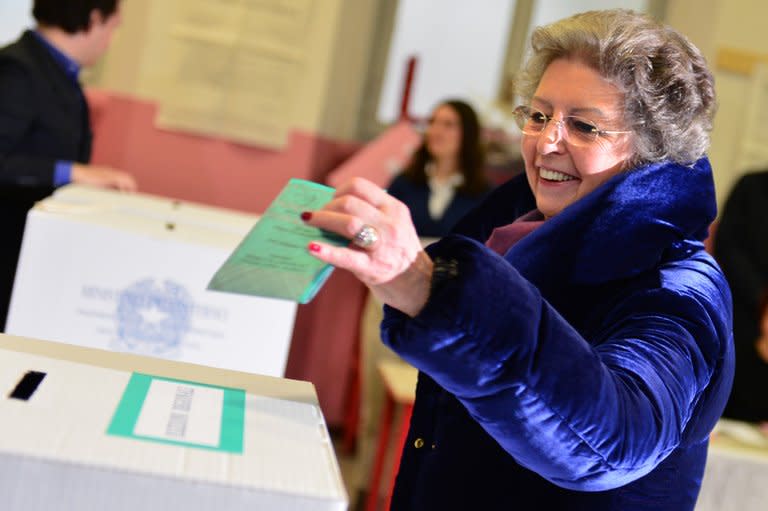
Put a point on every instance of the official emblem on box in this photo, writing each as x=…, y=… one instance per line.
x=151, y=318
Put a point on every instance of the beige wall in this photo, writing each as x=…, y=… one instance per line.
x=711, y=25
x=340, y=40
x=328, y=94
x=349, y=64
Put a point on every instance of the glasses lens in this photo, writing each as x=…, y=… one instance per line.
x=581, y=130
x=530, y=122
x=576, y=130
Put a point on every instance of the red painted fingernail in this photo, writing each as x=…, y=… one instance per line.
x=306, y=215
x=314, y=247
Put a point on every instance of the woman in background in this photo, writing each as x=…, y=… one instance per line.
x=446, y=176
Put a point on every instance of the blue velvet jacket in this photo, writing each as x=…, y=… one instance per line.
x=585, y=368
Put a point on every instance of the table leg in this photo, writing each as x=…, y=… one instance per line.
x=381, y=453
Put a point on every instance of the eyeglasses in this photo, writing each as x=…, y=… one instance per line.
x=576, y=130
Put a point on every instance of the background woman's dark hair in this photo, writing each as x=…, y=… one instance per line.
x=471, y=152
x=71, y=15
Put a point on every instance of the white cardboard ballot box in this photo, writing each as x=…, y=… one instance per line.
x=128, y=272
x=86, y=430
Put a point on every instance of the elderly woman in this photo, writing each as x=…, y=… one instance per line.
x=577, y=356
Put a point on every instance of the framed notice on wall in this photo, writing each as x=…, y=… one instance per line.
x=234, y=66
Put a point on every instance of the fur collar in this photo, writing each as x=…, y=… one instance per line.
x=624, y=227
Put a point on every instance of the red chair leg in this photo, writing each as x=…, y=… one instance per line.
x=405, y=423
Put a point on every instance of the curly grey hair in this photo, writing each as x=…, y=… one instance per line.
x=669, y=94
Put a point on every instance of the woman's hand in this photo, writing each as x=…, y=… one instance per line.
x=394, y=266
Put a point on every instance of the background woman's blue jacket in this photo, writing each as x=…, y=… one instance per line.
x=585, y=368
x=416, y=197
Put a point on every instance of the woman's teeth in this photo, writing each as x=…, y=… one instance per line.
x=553, y=175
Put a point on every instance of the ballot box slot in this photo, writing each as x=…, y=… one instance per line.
x=27, y=385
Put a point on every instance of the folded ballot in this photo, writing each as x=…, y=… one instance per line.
x=272, y=260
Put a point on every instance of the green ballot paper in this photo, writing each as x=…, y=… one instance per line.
x=272, y=260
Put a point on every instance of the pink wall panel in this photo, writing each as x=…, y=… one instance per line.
x=203, y=169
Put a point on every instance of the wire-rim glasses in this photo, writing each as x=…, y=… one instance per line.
x=576, y=130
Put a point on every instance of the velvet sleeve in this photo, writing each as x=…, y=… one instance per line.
x=586, y=415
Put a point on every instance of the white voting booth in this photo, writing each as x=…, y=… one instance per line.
x=90, y=430
x=128, y=272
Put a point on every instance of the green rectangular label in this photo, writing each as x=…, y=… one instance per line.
x=179, y=412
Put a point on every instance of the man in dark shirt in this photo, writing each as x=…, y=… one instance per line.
x=45, y=133
x=741, y=249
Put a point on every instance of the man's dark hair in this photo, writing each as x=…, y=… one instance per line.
x=71, y=15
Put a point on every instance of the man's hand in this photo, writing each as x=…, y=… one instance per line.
x=103, y=177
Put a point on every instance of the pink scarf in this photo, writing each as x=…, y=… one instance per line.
x=502, y=238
